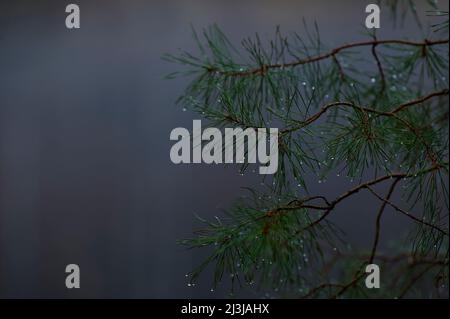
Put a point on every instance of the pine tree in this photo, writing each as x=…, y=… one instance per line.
x=374, y=111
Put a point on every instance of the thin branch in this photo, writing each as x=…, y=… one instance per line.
x=406, y=213
x=359, y=274
x=363, y=186
x=380, y=67
x=265, y=67
x=339, y=66
x=419, y=100
x=378, y=220
x=401, y=107
x=430, y=154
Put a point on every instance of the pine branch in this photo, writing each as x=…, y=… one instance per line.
x=407, y=214
x=332, y=54
x=332, y=115
x=392, y=113
x=329, y=209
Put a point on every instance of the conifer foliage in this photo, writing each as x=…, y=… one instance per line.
x=374, y=111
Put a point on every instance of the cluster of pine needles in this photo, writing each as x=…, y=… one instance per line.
x=375, y=111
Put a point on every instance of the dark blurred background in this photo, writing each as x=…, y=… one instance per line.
x=85, y=117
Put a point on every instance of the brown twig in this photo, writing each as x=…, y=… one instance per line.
x=378, y=220
x=359, y=274
x=356, y=189
x=351, y=192
x=380, y=67
x=430, y=154
x=406, y=213
x=401, y=107
x=419, y=100
x=265, y=67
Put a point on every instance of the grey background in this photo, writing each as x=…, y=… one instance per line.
x=85, y=116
